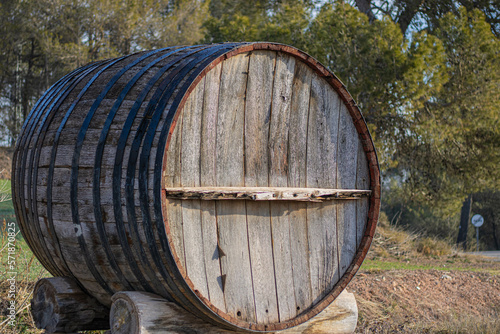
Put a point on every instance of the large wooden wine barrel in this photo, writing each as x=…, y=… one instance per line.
x=238, y=180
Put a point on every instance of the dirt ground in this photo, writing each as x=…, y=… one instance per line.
x=427, y=301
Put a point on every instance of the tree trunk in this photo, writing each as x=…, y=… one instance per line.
x=365, y=7
x=464, y=223
x=495, y=238
x=410, y=9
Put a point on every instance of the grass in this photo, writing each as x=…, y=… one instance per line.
x=6, y=207
x=18, y=263
x=396, y=249
x=385, y=311
x=389, y=320
x=383, y=265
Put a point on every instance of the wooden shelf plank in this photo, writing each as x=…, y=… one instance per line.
x=264, y=193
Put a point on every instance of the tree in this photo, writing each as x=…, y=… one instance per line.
x=455, y=148
x=283, y=21
x=39, y=47
x=22, y=70
x=171, y=22
x=418, y=15
x=388, y=77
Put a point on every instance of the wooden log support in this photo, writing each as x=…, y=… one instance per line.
x=59, y=305
x=134, y=312
x=264, y=193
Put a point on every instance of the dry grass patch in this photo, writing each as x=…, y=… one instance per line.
x=18, y=263
x=391, y=241
x=427, y=301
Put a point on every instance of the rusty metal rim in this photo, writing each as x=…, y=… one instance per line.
x=375, y=182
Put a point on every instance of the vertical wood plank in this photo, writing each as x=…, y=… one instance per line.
x=257, y=113
x=190, y=177
x=278, y=177
x=346, y=179
x=173, y=178
x=322, y=172
x=233, y=235
x=362, y=182
x=207, y=178
x=297, y=139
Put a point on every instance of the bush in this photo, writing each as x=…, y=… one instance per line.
x=433, y=247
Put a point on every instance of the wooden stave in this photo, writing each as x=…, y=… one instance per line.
x=194, y=302
x=27, y=126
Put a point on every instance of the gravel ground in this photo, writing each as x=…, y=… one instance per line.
x=426, y=301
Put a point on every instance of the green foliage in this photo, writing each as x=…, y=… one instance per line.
x=45, y=39
x=423, y=218
x=453, y=150
x=387, y=76
x=282, y=22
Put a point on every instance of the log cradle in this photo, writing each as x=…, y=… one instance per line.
x=237, y=180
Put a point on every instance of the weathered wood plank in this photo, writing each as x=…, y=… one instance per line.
x=278, y=177
x=208, y=178
x=264, y=193
x=346, y=178
x=297, y=139
x=257, y=116
x=257, y=113
x=190, y=176
x=280, y=121
x=322, y=172
x=172, y=177
x=233, y=236
x=362, y=182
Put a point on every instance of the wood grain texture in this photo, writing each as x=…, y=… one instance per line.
x=190, y=176
x=231, y=217
x=172, y=178
x=208, y=178
x=340, y=317
x=322, y=171
x=264, y=193
x=346, y=178
x=259, y=92
x=362, y=182
x=297, y=164
x=146, y=313
x=278, y=177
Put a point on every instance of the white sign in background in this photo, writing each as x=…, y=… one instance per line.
x=477, y=220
